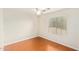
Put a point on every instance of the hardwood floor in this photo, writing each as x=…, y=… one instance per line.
x=37, y=44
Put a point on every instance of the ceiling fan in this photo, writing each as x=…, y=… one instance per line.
x=40, y=11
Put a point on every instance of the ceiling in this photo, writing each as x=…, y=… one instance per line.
x=37, y=11
x=40, y=11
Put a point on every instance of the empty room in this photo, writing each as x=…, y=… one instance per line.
x=39, y=29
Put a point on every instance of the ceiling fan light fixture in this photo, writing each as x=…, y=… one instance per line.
x=40, y=11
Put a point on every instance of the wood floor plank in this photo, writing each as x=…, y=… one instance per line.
x=37, y=44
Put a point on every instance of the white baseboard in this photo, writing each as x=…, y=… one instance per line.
x=58, y=42
x=20, y=40
x=42, y=37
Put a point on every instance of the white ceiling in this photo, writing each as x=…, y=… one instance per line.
x=32, y=10
x=54, y=9
x=41, y=10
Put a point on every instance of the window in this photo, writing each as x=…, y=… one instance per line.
x=58, y=25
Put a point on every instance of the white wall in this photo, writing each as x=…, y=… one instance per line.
x=19, y=24
x=72, y=37
x=1, y=29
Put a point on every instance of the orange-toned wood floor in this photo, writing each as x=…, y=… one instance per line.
x=37, y=44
